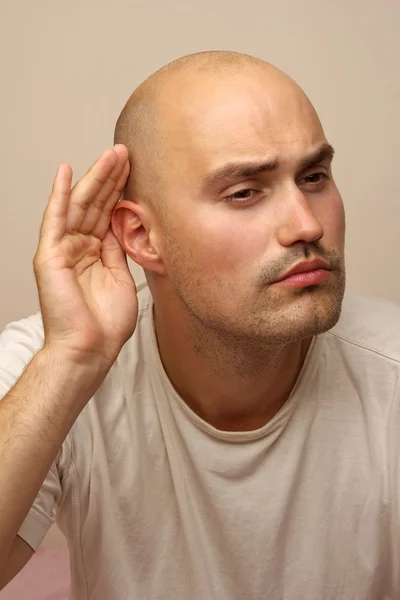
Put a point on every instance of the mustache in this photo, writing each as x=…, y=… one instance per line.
x=298, y=253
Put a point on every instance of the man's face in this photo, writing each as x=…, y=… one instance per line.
x=226, y=239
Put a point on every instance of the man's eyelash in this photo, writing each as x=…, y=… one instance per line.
x=231, y=197
x=322, y=177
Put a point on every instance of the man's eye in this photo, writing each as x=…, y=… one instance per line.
x=241, y=196
x=315, y=178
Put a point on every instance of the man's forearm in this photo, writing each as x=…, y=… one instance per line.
x=35, y=417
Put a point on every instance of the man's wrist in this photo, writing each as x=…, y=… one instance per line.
x=71, y=376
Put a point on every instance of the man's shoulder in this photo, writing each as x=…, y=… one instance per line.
x=19, y=342
x=23, y=336
x=144, y=297
x=31, y=325
x=371, y=323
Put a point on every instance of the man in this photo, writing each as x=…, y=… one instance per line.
x=221, y=434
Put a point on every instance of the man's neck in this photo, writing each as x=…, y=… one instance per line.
x=233, y=387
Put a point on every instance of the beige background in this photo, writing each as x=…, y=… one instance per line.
x=68, y=68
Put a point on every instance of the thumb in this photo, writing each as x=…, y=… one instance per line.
x=112, y=254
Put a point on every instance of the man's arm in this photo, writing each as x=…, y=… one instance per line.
x=20, y=554
x=35, y=417
x=82, y=274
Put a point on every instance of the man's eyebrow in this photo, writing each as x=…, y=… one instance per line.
x=325, y=152
x=232, y=171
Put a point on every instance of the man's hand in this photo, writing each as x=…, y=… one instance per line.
x=86, y=291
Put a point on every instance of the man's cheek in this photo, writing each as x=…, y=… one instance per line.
x=223, y=256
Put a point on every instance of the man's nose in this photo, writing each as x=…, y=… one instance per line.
x=297, y=221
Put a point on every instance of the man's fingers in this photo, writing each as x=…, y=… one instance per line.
x=55, y=215
x=91, y=200
x=104, y=220
x=113, y=256
x=98, y=204
x=84, y=192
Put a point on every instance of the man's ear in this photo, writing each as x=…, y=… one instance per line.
x=131, y=224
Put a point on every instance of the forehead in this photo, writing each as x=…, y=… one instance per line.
x=208, y=121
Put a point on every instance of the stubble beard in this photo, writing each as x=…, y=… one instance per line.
x=253, y=339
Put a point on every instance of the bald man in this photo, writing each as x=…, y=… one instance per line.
x=229, y=430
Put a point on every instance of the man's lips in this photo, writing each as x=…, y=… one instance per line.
x=306, y=273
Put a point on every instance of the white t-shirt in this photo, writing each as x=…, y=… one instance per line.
x=158, y=504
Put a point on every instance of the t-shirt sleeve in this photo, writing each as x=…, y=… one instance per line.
x=19, y=342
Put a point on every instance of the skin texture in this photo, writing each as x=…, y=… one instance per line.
x=232, y=341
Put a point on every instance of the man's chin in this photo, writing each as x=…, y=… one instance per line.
x=318, y=310
x=306, y=312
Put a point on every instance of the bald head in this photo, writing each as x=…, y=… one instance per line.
x=231, y=182
x=163, y=114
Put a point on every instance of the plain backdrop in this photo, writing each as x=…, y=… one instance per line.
x=69, y=67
